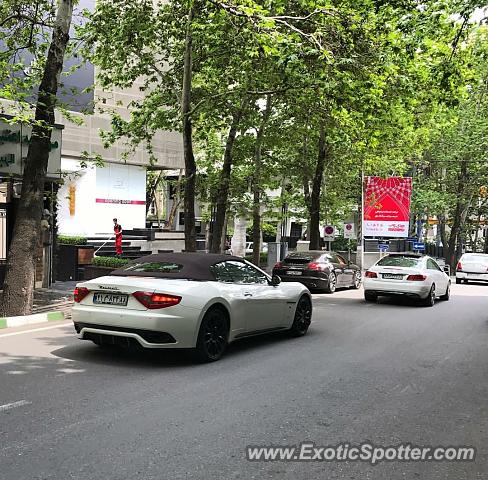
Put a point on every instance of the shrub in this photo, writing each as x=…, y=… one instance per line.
x=263, y=257
x=112, y=262
x=71, y=240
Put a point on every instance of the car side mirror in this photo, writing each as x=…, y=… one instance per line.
x=275, y=281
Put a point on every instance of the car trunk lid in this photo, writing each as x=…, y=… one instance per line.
x=118, y=292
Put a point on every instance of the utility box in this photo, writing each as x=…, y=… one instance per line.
x=72, y=260
x=274, y=250
x=303, y=246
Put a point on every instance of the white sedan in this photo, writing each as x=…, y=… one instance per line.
x=250, y=246
x=409, y=275
x=472, y=266
x=188, y=300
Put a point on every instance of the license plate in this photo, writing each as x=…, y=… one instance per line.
x=294, y=272
x=392, y=276
x=110, y=299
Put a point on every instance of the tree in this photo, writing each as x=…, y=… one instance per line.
x=20, y=272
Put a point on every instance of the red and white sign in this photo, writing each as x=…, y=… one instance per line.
x=349, y=230
x=386, y=209
x=329, y=233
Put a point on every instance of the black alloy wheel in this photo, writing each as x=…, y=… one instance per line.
x=430, y=300
x=303, y=317
x=213, y=335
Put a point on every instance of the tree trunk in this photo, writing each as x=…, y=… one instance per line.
x=18, y=290
x=316, y=189
x=190, y=165
x=256, y=186
x=460, y=214
x=224, y=185
x=151, y=191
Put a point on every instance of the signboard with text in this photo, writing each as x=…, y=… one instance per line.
x=14, y=144
x=349, y=230
x=386, y=210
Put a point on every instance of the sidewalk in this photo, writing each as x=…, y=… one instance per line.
x=50, y=304
x=57, y=298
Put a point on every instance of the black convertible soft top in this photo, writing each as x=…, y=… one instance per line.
x=191, y=266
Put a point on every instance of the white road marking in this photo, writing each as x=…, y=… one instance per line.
x=9, y=406
x=35, y=330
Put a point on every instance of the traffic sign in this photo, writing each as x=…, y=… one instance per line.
x=349, y=230
x=384, y=247
x=329, y=233
x=419, y=246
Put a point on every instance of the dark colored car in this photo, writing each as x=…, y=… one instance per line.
x=319, y=270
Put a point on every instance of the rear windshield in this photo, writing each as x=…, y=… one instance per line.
x=154, y=267
x=399, y=262
x=298, y=259
x=473, y=257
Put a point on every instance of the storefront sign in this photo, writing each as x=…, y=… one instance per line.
x=14, y=144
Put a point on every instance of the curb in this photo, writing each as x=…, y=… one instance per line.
x=6, y=322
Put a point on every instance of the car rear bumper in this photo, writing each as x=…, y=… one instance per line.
x=396, y=287
x=477, y=277
x=309, y=282
x=176, y=328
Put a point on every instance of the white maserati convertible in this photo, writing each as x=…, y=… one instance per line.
x=188, y=300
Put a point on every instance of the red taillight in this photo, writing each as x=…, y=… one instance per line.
x=157, y=300
x=369, y=274
x=80, y=293
x=278, y=265
x=459, y=267
x=416, y=278
x=316, y=266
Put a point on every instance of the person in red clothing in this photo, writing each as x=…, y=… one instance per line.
x=118, y=238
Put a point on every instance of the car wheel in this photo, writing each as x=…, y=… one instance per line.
x=446, y=296
x=212, y=336
x=331, y=287
x=458, y=281
x=370, y=297
x=430, y=300
x=303, y=317
x=357, y=280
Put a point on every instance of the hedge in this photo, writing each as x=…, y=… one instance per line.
x=113, y=262
x=263, y=257
x=71, y=240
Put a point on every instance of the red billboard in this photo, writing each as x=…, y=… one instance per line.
x=386, y=209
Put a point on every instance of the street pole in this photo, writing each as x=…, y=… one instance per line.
x=360, y=222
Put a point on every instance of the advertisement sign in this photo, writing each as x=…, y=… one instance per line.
x=386, y=209
x=120, y=192
x=349, y=230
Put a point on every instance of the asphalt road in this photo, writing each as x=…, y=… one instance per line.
x=386, y=373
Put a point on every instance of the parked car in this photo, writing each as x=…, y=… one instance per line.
x=319, y=270
x=188, y=300
x=472, y=266
x=412, y=275
x=249, y=248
